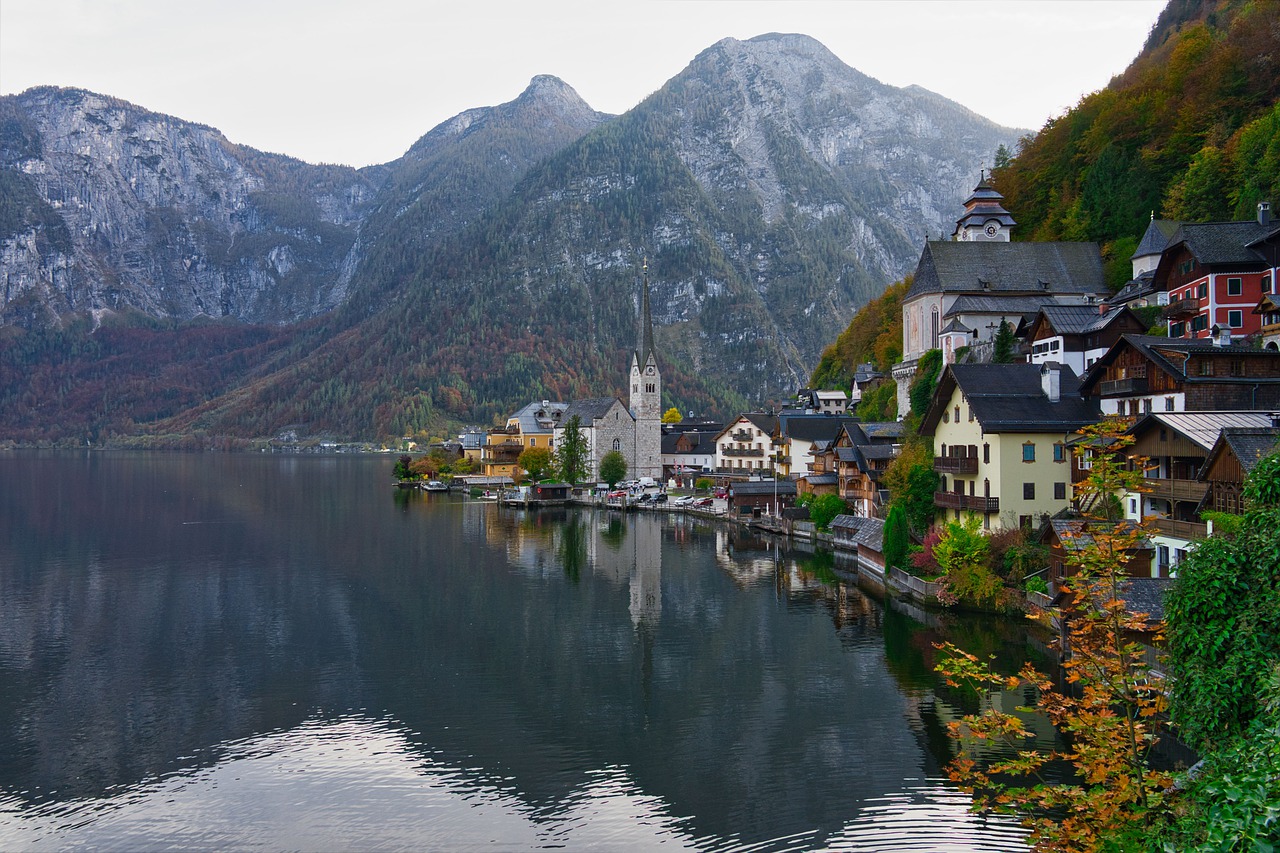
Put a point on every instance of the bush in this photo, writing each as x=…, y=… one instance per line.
x=702, y=484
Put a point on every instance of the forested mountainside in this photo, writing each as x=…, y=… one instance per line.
x=1189, y=131
x=772, y=188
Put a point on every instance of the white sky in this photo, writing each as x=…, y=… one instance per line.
x=357, y=82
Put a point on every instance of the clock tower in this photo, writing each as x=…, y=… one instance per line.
x=646, y=395
x=985, y=219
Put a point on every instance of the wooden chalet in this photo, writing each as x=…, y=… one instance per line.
x=1233, y=456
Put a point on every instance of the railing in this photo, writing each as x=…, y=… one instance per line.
x=1181, y=529
x=955, y=464
x=1182, y=308
x=923, y=588
x=973, y=503
x=1115, y=387
x=741, y=435
x=1176, y=490
x=743, y=451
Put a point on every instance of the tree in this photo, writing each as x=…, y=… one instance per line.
x=961, y=554
x=896, y=537
x=571, y=454
x=1005, y=343
x=825, y=508
x=535, y=460
x=1111, y=705
x=401, y=471
x=912, y=481
x=613, y=467
x=672, y=416
x=920, y=393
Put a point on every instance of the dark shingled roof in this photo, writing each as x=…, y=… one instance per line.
x=1010, y=306
x=1155, y=348
x=1054, y=268
x=1078, y=319
x=588, y=410
x=880, y=431
x=1248, y=444
x=1156, y=239
x=1143, y=285
x=1222, y=242
x=1145, y=595
x=863, y=531
x=702, y=442
x=812, y=427
x=878, y=451
x=820, y=479
x=763, y=487
x=1010, y=398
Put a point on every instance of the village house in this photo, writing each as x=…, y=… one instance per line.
x=745, y=446
x=796, y=434
x=1236, y=452
x=1175, y=446
x=1215, y=273
x=534, y=425
x=1140, y=291
x=1078, y=335
x=761, y=497
x=1000, y=434
x=1141, y=374
x=964, y=288
x=689, y=450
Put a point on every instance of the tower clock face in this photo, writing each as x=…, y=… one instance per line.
x=991, y=229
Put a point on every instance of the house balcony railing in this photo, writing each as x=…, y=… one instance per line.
x=1182, y=309
x=1123, y=387
x=743, y=451
x=741, y=435
x=1175, y=490
x=972, y=503
x=955, y=464
x=1180, y=529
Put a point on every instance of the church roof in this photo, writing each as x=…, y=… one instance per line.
x=1008, y=269
x=1156, y=238
x=589, y=409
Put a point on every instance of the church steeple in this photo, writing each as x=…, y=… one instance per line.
x=646, y=392
x=985, y=218
x=645, y=337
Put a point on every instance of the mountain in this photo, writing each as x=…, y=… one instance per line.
x=772, y=188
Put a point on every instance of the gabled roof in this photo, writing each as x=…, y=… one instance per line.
x=883, y=431
x=1203, y=428
x=1080, y=319
x=764, y=422
x=539, y=416
x=1136, y=288
x=1010, y=398
x=763, y=487
x=1170, y=355
x=1009, y=306
x=1156, y=239
x=1220, y=243
x=1008, y=268
x=589, y=409
x=863, y=531
x=1248, y=444
x=701, y=442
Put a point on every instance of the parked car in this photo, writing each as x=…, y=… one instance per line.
x=660, y=498
x=684, y=500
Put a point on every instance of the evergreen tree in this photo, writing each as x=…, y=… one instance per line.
x=1005, y=344
x=571, y=455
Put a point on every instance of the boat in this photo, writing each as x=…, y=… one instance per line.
x=437, y=486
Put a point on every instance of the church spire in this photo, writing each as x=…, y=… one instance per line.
x=645, y=337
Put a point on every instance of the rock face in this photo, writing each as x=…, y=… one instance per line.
x=773, y=189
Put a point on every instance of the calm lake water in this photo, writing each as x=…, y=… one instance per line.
x=220, y=652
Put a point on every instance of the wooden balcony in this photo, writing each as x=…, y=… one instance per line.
x=741, y=435
x=955, y=464
x=972, y=503
x=1182, y=309
x=1180, y=529
x=743, y=451
x=1176, y=490
x=1123, y=387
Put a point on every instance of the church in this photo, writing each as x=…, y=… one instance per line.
x=965, y=287
x=634, y=429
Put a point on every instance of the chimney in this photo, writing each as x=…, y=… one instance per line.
x=1051, y=380
x=1221, y=335
x=1264, y=213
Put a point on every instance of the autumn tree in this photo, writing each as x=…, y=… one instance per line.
x=536, y=461
x=961, y=554
x=1111, y=706
x=672, y=416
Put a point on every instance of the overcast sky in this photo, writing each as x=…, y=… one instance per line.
x=358, y=82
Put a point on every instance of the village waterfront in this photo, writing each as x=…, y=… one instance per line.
x=217, y=651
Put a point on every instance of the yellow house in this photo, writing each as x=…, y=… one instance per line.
x=532, y=426
x=1000, y=436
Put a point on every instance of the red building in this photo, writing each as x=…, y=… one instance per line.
x=1215, y=275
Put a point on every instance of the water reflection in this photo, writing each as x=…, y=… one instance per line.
x=409, y=661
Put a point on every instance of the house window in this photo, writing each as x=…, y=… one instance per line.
x=1133, y=506
x=1266, y=284
x=1029, y=452
x=1059, y=452
x=1177, y=330
x=946, y=416
x=1206, y=367
x=533, y=442
x=1200, y=323
x=1235, y=319
x=1059, y=491
x=1203, y=290
x=617, y=444
x=957, y=414
x=1234, y=287
x=1028, y=491
x=1168, y=404
x=1024, y=521
x=1146, y=406
x=1085, y=460
x=971, y=414
x=986, y=454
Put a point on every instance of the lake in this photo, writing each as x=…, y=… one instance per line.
x=263, y=652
